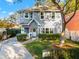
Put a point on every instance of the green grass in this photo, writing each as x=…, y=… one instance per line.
x=36, y=48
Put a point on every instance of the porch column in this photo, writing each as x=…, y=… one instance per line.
x=53, y=31
x=40, y=29
x=29, y=33
x=44, y=30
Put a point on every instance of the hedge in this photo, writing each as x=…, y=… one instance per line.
x=49, y=36
x=22, y=37
x=13, y=32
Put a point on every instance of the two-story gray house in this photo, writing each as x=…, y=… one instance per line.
x=41, y=18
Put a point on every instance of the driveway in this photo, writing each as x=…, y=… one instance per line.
x=12, y=49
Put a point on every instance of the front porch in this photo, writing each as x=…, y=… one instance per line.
x=33, y=32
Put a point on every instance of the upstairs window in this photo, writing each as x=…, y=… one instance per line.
x=42, y=15
x=53, y=14
x=26, y=15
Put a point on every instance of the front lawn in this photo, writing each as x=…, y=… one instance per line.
x=37, y=47
x=70, y=50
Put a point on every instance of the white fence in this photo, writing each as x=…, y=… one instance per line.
x=74, y=35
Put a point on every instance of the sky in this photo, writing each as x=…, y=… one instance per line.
x=7, y=7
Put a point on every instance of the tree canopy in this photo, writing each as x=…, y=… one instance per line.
x=71, y=6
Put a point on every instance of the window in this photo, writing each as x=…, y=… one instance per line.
x=43, y=30
x=26, y=15
x=34, y=30
x=42, y=15
x=31, y=15
x=47, y=30
x=51, y=30
x=53, y=14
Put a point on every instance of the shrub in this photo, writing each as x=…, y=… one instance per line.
x=13, y=32
x=42, y=36
x=22, y=37
x=49, y=36
x=56, y=36
x=60, y=53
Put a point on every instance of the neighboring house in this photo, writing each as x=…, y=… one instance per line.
x=72, y=28
x=41, y=19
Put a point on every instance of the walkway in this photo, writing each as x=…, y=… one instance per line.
x=12, y=49
x=29, y=41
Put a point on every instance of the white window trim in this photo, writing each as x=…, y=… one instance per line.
x=27, y=17
x=31, y=15
x=35, y=21
x=43, y=15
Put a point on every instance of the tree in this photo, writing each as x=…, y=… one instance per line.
x=64, y=11
x=6, y=24
x=72, y=4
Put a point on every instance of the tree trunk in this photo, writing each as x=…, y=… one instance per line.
x=62, y=38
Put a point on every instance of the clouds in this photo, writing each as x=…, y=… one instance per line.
x=13, y=1
x=10, y=1
x=7, y=7
x=0, y=9
x=4, y=12
x=8, y=13
x=11, y=13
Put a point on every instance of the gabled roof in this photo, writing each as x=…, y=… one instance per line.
x=73, y=25
x=32, y=21
x=45, y=7
x=29, y=21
